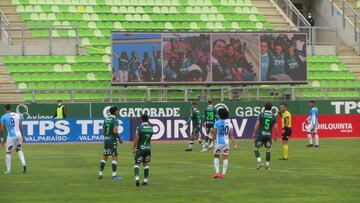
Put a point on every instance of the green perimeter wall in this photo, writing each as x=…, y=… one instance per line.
x=176, y=109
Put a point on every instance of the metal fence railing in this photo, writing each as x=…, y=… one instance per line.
x=348, y=13
x=4, y=35
x=247, y=93
x=292, y=13
x=50, y=36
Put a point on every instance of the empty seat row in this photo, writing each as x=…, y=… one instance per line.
x=36, y=77
x=55, y=59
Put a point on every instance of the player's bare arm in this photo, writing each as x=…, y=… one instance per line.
x=276, y=131
x=22, y=131
x=233, y=141
x=1, y=134
x=286, y=121
x=256, y=129
x=116, y=55
x=214, y=134
x=136, y=141
x=116, y=133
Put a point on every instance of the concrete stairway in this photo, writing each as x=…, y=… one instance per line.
x=8, y=89
x=16, y=22
x=349, y=57
x=347, y=53
x=272, y=13
x=348, y=13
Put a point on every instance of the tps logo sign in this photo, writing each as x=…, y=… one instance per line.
x=346, y=107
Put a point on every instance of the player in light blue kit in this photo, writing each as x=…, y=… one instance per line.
x=12, y=122
x=223, y=129
x=313, y=124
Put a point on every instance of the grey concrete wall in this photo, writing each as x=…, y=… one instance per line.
x=322, y=11
x=40, y=47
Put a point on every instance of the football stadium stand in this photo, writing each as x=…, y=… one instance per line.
x=87, y=76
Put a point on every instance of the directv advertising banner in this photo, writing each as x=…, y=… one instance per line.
x=70, y=130
x=176, y=129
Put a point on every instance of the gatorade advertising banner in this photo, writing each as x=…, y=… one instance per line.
x=179, y=109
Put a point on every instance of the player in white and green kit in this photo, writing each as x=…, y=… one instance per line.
x=111, y=137
x=196, y=126
x=209, y=118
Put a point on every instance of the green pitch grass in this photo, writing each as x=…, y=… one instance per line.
x=67, y=173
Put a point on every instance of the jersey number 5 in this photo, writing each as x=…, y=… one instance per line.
x=267, y=124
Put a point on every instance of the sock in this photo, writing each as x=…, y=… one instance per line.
x=21, y=157
x=267, y=158
x=8, y=162
x=310, y=139
x=286, y=151
x=225, y=165
x=257, y=155
x=191, y=144
x=216, y=164
x=316, y=139
x=206, y=139
x=136, y=172
x=114, y=167
x=146, y=173
x=102, y=166
x=210, y=140
x=203, y=144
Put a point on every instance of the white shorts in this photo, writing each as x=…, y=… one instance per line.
x=221, y=149
x=13, y=142
x=311, y=128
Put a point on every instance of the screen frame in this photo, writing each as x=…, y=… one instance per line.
x=163, y=83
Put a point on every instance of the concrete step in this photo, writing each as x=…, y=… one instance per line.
x=272, y=15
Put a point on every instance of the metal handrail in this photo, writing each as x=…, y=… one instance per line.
x=291, y=9
x=4, y=16
x=345, y=6
x=247, y=92
x=22, y=29
x=6, y=21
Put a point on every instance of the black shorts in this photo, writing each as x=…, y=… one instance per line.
x=261, y=140
x=209, y=126
x=110, y=149
x=142, y=156
x=286, y=133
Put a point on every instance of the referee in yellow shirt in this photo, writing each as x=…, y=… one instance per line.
x=286, y=129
